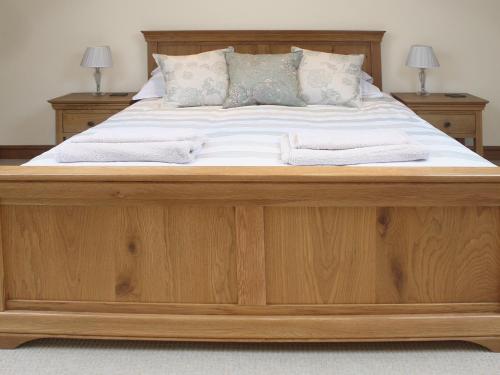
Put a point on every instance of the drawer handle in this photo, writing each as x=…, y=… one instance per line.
x=90, y=124
x=447, y=124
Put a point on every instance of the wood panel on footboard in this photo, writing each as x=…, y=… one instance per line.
x=250, y=254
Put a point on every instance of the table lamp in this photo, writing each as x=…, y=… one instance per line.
x=422, y=57
x=97, y=57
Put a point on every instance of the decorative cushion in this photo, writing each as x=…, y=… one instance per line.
x=263, y=79
x=195, y=80
x=328, y=78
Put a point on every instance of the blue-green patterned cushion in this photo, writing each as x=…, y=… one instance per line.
x=263, y=79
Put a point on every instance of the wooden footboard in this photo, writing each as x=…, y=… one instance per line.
x=250, y=254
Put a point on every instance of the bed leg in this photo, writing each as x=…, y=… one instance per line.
x=14, y=341
x=491, y=343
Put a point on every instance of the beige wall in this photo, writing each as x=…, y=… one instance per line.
x=41, y=43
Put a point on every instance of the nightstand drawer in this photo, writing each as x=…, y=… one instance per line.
x=459, y=117
x=451, y=123
x=78, y=112
x=78, y=121
x=66, y=136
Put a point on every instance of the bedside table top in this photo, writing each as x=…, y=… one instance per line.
x=438, y=99
x=89, y=98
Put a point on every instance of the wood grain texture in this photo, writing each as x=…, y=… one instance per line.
x=78, y=121
x=450, y=175
x=13, y=341
x=269, y=41
x=261, y=328
x=320, y=255
x=251, y=264
x=233, y=309
x=253, y=36
x=478, y=139
x=251, y=254
x=3, y=297
x=439, y=99
x=438, y=255
x=458, y=117
x=77, y=112
x=492, y=153
x=22, y=152
x=65, y=136
x=424, y=255
x=86, y=98
x=490, y=343
x=472, y=339
x=60, y=137
x=376, y=59
x=454, y=123
x=175, y=254
x=259, y=193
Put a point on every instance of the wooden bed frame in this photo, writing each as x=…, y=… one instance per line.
x=251, y=253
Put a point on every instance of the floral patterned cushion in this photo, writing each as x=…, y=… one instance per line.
x=328, y=78
x=263, y=79
x=194, y=80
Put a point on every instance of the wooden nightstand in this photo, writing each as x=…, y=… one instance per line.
x=80, y=111
x=458, y=117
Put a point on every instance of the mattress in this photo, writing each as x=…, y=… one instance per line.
x=250, y=136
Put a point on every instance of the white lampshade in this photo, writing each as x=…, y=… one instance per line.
x=422, y=57
x=97, y=57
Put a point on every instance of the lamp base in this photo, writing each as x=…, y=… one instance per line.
x=423, y=91
x=97, y=77
x=98, y=93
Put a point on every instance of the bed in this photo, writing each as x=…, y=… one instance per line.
x=241, y=248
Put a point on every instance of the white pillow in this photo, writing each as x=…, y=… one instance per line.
x=364, y=76
x=157, y=70
x=195, y=80
x=369, y=91
x=154, y=87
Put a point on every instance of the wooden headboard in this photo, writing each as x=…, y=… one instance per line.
x=275, y=41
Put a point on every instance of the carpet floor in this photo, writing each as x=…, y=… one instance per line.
x=75, y=357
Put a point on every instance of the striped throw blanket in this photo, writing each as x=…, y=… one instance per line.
x=251, y=136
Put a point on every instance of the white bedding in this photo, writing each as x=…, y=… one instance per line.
x=250, y=136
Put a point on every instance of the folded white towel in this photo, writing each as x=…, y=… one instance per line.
x=363, y=155
x=346, y=139
x=178, y=152
x=135, y=135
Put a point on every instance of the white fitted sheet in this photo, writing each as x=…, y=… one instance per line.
x=250, y=136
